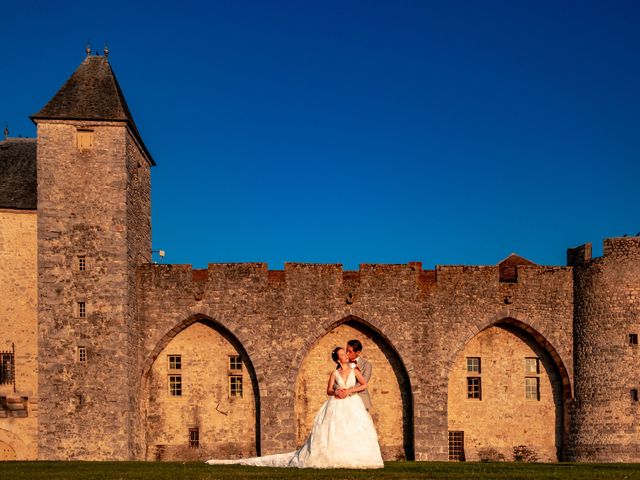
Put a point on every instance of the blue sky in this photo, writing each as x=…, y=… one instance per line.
x=361, y=132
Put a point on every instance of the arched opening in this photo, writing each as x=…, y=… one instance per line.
x=506, y=396
x=201, y=395
x=389, y=388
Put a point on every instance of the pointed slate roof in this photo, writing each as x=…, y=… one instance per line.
x=91, y=93
x=18, y=174
x=509, y=267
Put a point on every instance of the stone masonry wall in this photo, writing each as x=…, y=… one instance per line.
x=82, y=210
x=426, y=317
x=18, y=317
x=607, y=312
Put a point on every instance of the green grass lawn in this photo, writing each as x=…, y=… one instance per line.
x=392, y=470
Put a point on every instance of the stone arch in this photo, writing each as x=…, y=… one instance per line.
x=251, y=388
x=553, y=377
x=12, y=447
x=390, y=399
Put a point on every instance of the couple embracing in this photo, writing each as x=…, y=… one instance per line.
x=343, y=434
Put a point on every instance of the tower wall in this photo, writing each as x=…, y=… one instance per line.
x=607, y=310
x=93, y=202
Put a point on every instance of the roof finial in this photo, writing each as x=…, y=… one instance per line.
x=88, y=49
x=106, y=49
x=6, y=130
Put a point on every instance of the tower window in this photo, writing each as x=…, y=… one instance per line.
x=82, y=309
x=7, y=367
x=473, y=388
x=82, y=354
x=235, y=362
x=532, y=365
x=82, y=263
x=84, y=139
x=175, y=362
x=175, y=385
x=456, y=446
x=235, y=385
x=532, y=388
x=634, y=395
x=194, y=437
x=633, y=339
x=473, y=364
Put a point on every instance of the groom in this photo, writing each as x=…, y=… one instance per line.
x=354, y=348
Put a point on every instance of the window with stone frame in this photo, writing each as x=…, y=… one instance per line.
x=532, y=365
x=235, y=362
x=175, y=362
x=7, y=367
x=474, y=388
x=532, y=388
x=456, y=446
x=175, y=385
x=194, y=437
x=82, y=354
x=473, y=364
x=82, y=309
x=235, y=386
x=84, y=138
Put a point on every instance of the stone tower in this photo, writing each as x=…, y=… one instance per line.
x=94, y=228
x=606, y=421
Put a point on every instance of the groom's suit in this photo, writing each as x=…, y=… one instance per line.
x=365, y=369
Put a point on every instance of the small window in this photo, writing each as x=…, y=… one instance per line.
x=82, y=309
x=532, y=388
x=82, y=263
x=7, y=367
x=175, y=362
x=235, y=362
x=473, y=364
x=194, y=437
x=82, y=354
x=175, y=385
x=473, y=388
x=235, y=386
x=456, y=446
x=634, y=395
x=84, y=139
x=633, y=339
x=531, y=365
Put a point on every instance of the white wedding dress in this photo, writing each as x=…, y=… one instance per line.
x=342, y=436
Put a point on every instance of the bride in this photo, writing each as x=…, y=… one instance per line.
x=342, y=435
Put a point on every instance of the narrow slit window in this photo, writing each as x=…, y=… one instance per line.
x=633, y=339
x=634, y=395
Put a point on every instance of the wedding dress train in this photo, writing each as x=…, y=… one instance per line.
x=342, y=436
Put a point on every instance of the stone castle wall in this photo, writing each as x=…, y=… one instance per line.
x=425, y=317
x=607, y=312
x=86, y=409
x=18, y=317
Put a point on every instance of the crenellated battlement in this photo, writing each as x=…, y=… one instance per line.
x=615, y=247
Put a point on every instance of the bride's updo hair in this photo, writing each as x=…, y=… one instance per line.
x=334, y=354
